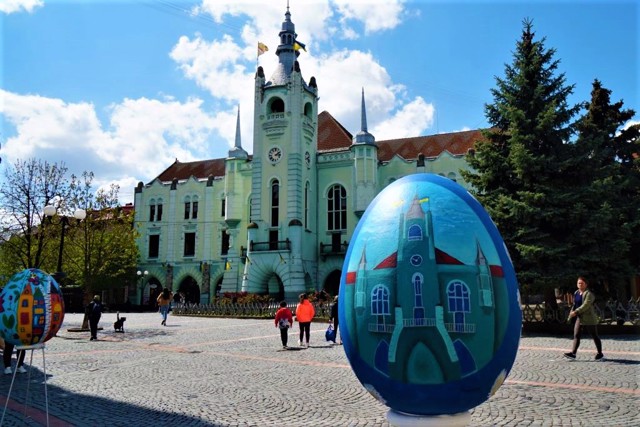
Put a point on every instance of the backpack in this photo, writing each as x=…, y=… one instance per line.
x=283, y=323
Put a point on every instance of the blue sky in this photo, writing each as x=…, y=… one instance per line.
x=123, y=88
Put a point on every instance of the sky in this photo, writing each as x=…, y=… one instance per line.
x=124, y=88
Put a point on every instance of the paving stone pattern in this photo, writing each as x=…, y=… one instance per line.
x=234, y=372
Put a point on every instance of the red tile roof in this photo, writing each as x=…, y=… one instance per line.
x=201, y=169
x=332, y=136
x=457, y=143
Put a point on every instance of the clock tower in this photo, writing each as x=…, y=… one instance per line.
x=282, y=235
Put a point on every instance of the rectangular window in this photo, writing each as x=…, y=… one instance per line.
x=154, y=245
x=189, y=244
x=159, y=212
x=194, y=210
x=335, y=242
x=273, y=240
x=224, y=244
x=223, y=208
x=187, y=209
x=152, y=213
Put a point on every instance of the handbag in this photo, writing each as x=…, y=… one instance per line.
x=330, y=334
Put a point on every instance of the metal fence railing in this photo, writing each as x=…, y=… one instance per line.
x=610, y=312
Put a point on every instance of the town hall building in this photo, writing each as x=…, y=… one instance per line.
x=277, y=221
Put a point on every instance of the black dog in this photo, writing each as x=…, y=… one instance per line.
x=118, y=325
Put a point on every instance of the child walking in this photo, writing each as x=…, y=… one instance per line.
x=284, y=320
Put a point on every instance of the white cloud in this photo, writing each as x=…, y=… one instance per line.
x=411, y=120
x=11, y=6
x=141, y=137
x=144, y=135
x=376, y=15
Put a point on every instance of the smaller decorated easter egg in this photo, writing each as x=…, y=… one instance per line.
x=31, y=308
x=429, y=304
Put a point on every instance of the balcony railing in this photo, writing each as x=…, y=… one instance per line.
x=333, y=249
x=280, y=245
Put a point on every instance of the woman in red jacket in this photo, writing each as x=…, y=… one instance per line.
x=304, y=315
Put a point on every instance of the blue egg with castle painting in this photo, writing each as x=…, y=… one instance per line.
x=429, y=304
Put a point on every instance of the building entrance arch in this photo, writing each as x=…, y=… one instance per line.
x=332, y=282
x=275, y=287
x=150, y=294
x=189, y=287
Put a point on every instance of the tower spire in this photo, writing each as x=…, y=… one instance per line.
x=363, y=137
x=238, y=152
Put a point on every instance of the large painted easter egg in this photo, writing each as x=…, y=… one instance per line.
x=429, y=303
x=31, y=308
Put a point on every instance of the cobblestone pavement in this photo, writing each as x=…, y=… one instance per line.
x=233, y=372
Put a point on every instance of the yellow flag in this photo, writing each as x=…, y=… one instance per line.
x=299, y=45
x=426, y=199
x=262, y=48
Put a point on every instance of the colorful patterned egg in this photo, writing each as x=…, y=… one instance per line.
x=31, y=308
x=429, y=303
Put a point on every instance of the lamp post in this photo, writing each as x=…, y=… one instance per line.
x=141, y=276
x=50, y=211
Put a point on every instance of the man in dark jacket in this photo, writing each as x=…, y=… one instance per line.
x=94, y=310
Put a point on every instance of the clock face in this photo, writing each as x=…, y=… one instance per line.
x=415, y=260
x=307, y=158
x=275, y=154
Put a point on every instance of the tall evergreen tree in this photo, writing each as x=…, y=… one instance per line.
x=607, y=182
x=518, y=169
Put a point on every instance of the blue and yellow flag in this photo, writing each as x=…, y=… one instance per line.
x=262, y=48
x=299, y=45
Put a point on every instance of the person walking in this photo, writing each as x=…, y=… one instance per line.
x=304, y=315
x=284, y=320
x=333, y=317
x=164, y=300
x=584, y=315
x=6, y=356
x=94, y=310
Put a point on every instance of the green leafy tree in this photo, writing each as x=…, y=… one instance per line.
x=606, y=180
x=102, y=252
x=518, y=169
x=27, y=238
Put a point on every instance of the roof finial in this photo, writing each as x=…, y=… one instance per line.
x=363, y=115
x=237, y=151
x=363, y=137
x=238, y=139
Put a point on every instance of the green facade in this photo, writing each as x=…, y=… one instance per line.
x=279, y=221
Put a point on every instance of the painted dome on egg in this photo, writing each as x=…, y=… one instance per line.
x=31, y=308
x=429, y=300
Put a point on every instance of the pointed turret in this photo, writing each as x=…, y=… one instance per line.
x=237, y=152
x=415, y=211
x=363, y=137
x=286, y=51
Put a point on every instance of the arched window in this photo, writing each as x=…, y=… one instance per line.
x=306, y=205
x=452, y=176
x=380, y=301
x=337, y=208
x=415, y=232
x=308, y=110
x=152, y=210
x=275, y=202
x=187, y=207
x=418, y=280
x=276, y=105
x=194, y=207
x=159, y=210
x=458, y=297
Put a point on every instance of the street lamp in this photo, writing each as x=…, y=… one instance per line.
x=141, y=276
x=50, y=211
